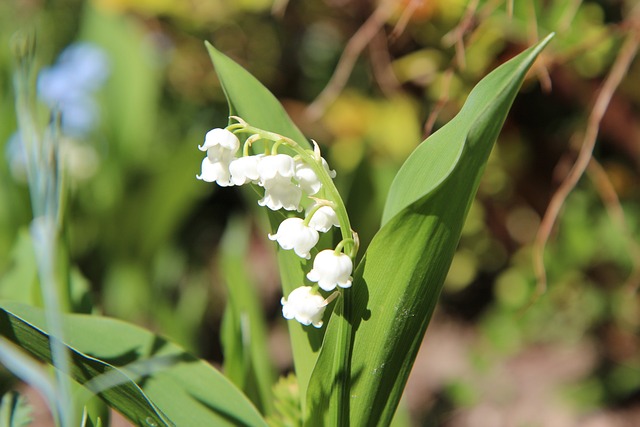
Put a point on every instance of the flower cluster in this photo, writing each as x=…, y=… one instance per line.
x=292, y=182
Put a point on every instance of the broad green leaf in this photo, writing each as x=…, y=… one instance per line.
x=148, y=379
x=243, y=331
x=368, y=352
x=249, y=99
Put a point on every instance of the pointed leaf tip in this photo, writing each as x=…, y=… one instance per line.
x=484, y=111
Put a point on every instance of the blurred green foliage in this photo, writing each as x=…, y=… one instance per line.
x=143, y=233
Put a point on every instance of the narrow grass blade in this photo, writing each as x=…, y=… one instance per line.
x=244, y=333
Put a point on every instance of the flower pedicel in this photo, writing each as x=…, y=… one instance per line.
x=289, y=182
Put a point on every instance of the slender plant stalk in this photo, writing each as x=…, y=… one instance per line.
x=44, y=177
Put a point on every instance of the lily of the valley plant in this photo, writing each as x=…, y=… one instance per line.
x=294, y=179
x=351, y=362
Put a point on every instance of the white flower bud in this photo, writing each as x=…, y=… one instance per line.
x=293, y=234
x=331, y=270
x=304, y=305
x=323, y=219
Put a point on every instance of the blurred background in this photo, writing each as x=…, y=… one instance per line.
x=368, y=81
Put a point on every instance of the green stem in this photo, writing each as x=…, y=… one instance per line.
x=45, y=187
x=332, y=194
x=316, y=207
x=277, y=145
x=341, y=245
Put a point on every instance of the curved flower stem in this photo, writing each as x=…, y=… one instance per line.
x=277, y=144
x=315, y=209
x=340, y=245
x=247, y=144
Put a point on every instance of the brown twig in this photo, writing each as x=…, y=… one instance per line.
x=455, y=37
x=459, y=31
x=569, y=14
x=442, y=101
x=481, y=14
x=487, y=9
x=609, y=197
x=407, y=13
x=540, y=68
x=618, y=71
x=381, y=65
x=348, y=59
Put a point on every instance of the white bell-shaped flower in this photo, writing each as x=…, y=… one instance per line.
x=281, y=193
x=304, y=305
x=215, y=172
x=220, y=144
x=308, y=179
x=275, y=167
x=331, y=270
x=245, y=169
x=293, y=234
x=275, y=174
x=323, y=219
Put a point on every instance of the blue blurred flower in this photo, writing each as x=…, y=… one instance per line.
x=70, y=86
